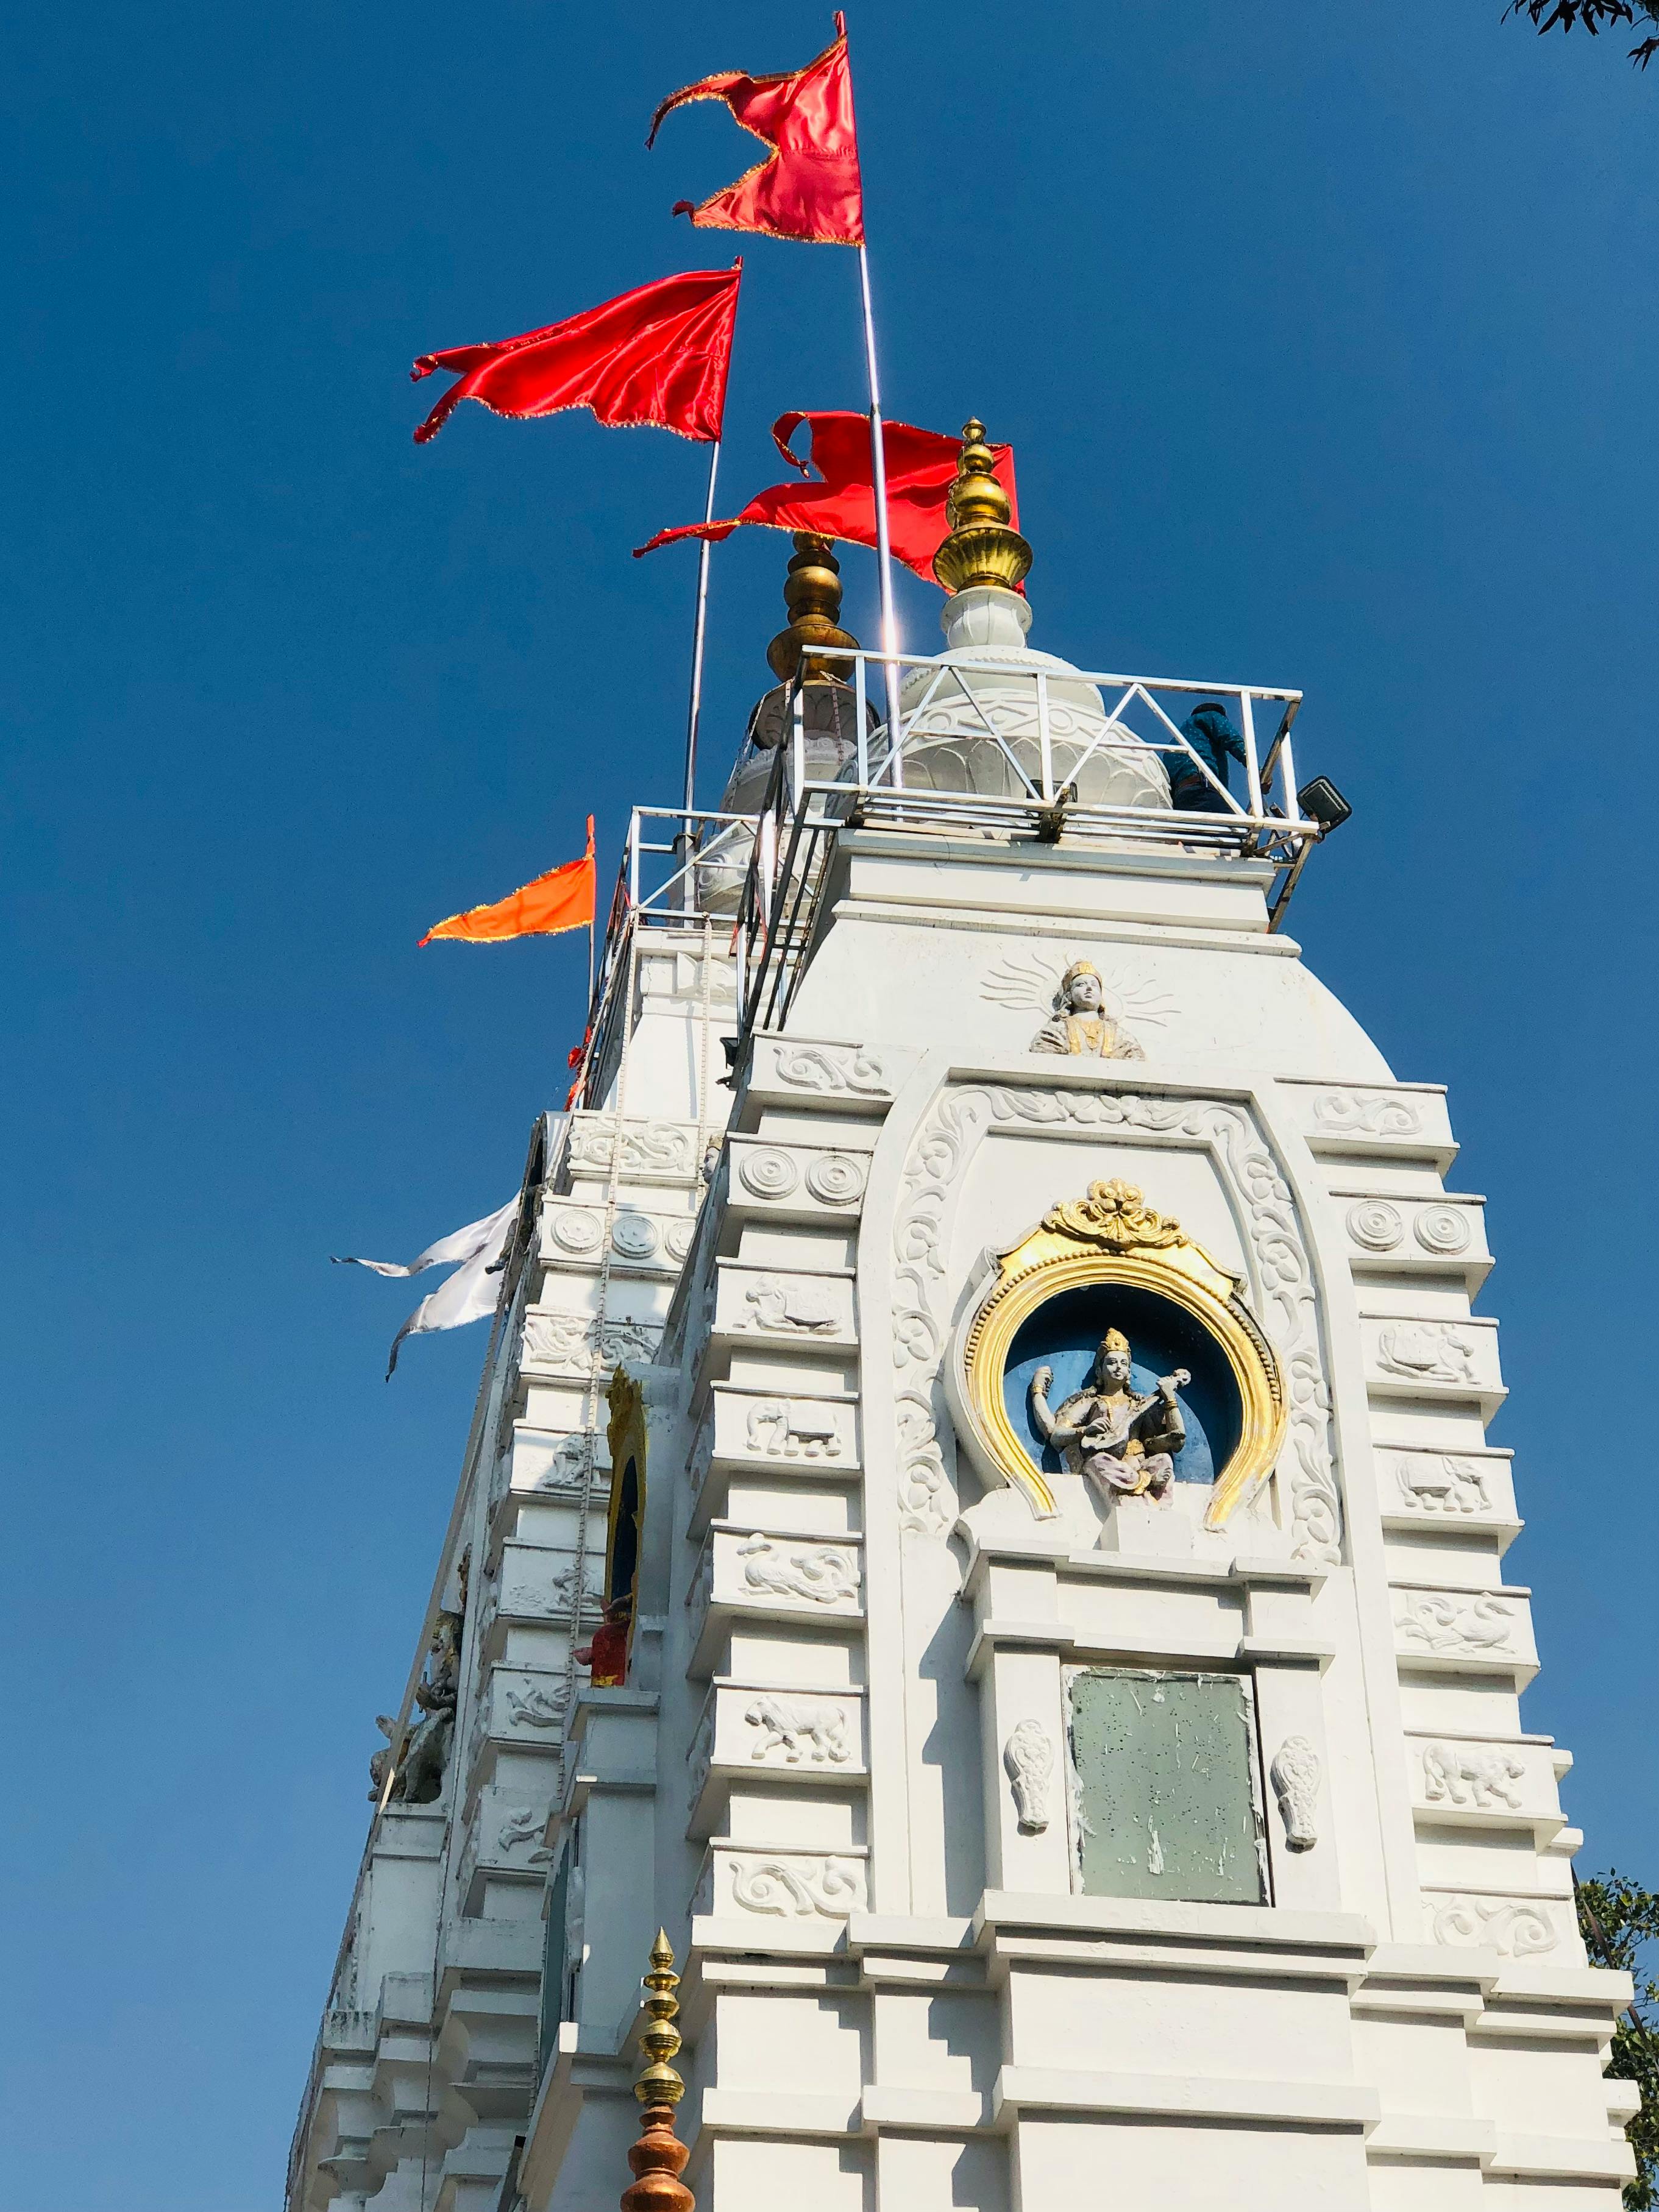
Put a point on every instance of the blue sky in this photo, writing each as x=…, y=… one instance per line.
x=1327, y=338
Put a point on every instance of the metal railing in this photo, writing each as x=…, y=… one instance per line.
x=660, y=889
x=1049, y=746
x=1040, y=734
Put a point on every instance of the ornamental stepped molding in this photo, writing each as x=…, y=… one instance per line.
x=1464, y=1632
x=1463, y=1782
x=640, y=1151
x=812, y=1893
x=796, y=1071
x=1428, y=1358
x=768, y=1575
x=572, y=1239
x=803, y=1440
x=1403, y=1121
x=577, y=1346
x=1391, y=1232
x=750, y=1733
x=1423, y=1488
x=767, y=1180
x=1515, y=1925
x=807, y=1311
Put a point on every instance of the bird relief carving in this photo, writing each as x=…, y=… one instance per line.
x=825, y=1574
x=1086, y=1020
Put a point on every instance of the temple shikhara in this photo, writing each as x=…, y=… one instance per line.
x=977, y=1561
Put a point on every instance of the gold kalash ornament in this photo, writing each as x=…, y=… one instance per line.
x=1113, y=1237
x=982, y=547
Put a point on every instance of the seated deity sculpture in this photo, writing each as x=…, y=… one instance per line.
x=1109, y=1433
x=1081, y=1026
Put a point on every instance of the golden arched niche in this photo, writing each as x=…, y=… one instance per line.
x=1112, y=1237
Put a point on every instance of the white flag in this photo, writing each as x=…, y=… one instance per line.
x=469, y=1293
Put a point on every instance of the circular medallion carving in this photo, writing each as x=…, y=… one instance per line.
x=677, y=1238
x=836, y=1179
x=634, y=1236
x=1376, y=1225
x=575, y=1230
x=768, y=1173
x=1443, y=1228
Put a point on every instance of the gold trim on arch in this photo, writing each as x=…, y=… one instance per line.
x=1112, y=1236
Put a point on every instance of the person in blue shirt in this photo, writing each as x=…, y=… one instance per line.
x=1213, y=739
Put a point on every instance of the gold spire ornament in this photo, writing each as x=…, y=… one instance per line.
x=982, y=547
x=811, y=592
x=658, y=2156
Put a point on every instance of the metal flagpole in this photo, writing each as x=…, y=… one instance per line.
x=699, y=633
x=878, y=473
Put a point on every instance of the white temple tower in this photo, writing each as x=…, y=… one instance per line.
x=1068, y=1721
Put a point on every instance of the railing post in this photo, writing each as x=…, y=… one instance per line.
x=798, y=744
x=894, y=729
x=1287, y=769
x=633, y=859
x=861, y=708
x=1045, y=749
x=1252, y=765
x=766, y=860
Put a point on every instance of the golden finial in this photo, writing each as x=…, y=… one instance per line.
x=811, y=592
x=658, y=2156
x=982, y=547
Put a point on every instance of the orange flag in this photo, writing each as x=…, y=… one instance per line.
x=562, y=899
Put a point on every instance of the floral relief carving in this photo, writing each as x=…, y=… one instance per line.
x=836, y=1179
x=1426, y=1352
x=574, y=1228
x=536, y=1708
x=1477, y=1775
x=569, y=1342
x=1028, y=1759
x=1376, y=1225
x=1295, y=1776
x=554, y=1340
x=1283, y=1269
x=1367, y=1113
x=827, y=1069
x=1512, y=1927
x=831, y=1888
x=1443, y=1621
x=799, y=1729
x=823, y=1574
x=1443, y=1228
x=648, y=1148
x=767, y=1172
x=1439, y=1482
x=521, y=1825
x=635, y=1236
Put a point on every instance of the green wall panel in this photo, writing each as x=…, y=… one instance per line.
x=1168, y=1802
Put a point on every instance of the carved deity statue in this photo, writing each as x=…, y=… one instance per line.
x=1106, y=1431
x=1081, y=1026
x=426, y=1742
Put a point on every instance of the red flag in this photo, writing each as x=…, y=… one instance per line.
x=658, y=355
x=562, y=899
x=808, y=187
x=921, y=465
